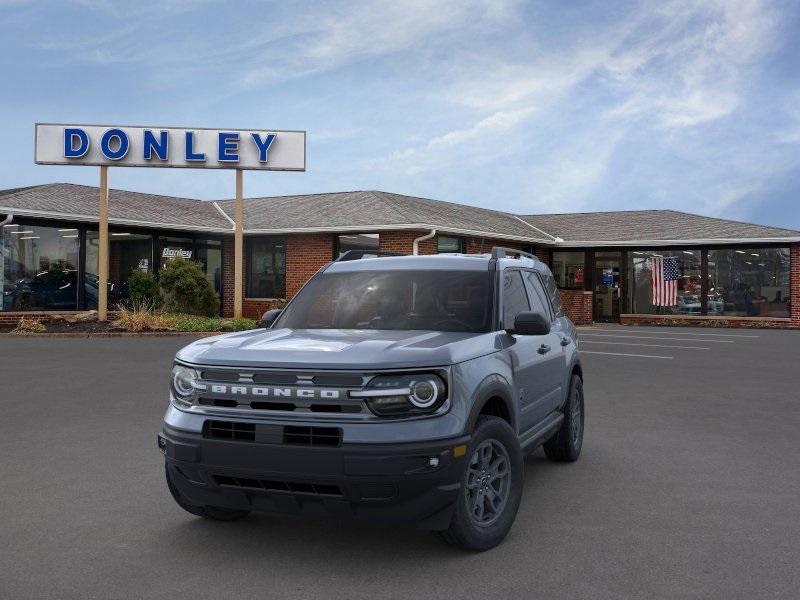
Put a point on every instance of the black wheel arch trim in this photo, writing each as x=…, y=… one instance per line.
x=494, y=386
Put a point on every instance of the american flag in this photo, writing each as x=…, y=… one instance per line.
x=664, y=277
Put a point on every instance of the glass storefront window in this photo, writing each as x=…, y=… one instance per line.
x=665, y=282
x=209, y=255
x=569, y=269
x=358, y=241
x=266, y=267
x=748, y=282
x=448, y=243
x=39, y=268
x=128, y=252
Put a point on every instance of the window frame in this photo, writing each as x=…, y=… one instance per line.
x=502, y=289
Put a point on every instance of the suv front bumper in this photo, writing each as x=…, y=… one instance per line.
x=401, y=482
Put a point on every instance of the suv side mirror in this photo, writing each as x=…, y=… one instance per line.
x=531, y=323
x=269, y=317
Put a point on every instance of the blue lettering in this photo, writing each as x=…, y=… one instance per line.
x=159, y=146
x=190, y=153
x=70, y=137
x=263, y=145
x=228, y=142
x=122, y=146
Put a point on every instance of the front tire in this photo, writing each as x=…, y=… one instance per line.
x=491, y=488
x=215, y=513
x=566, y=444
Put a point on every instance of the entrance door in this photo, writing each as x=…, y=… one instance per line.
x=607, y=286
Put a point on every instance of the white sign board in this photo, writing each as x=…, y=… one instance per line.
x=189, y=148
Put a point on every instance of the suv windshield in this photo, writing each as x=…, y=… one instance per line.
x=429, y=300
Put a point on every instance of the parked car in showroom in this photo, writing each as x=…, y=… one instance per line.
x=396, y=388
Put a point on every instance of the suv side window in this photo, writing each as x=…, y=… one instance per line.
x=537, y=295
x=515, y=299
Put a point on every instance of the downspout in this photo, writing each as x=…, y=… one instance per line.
x=427, y=236
x=7, y=220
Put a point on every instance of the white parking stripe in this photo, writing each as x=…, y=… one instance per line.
x=651, y=337
x=623, y=354
x=633, y=331
x=648, y=345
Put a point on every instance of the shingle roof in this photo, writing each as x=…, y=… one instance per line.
x=374, y=210
x=650, y=225
x=81, y=201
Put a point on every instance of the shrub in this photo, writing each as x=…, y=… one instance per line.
x=241, y=324
x=143, y=289
x=26, y=325
x=186, y=289
x=195, y=323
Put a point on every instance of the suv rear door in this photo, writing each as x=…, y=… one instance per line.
x=530, y=355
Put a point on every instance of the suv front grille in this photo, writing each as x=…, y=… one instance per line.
x=273, y=434
x=230, y=430
x=312, y=436
x=287, y=487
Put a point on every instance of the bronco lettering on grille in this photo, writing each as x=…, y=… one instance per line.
x=275, y=392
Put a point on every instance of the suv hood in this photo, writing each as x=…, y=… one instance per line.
x=339, y=349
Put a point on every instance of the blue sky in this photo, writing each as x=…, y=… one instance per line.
x=521, y=106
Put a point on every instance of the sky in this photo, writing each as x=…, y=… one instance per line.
x=529, y=107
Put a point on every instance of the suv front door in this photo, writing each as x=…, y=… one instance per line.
x=529, y=356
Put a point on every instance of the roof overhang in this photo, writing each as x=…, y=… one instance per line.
x=684, y=242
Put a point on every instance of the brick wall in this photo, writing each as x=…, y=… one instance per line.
x=578, y=305
x=305, y=255
x=227, y=277
x=794, y=283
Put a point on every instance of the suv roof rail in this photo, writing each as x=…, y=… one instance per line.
x=502, y=252
x=358, y=254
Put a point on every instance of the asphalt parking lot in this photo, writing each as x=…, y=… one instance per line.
x=688, y=487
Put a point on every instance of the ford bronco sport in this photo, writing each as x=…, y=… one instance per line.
x=403, y=388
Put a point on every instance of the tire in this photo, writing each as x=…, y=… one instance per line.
x=566, y=444
x=214, y=513
x=483, y=518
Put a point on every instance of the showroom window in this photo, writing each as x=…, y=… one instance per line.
x=449, y=243
x=569, y=270
x=748, y=282
x=368, y=242
x=209, y=255
x=266, y=267
x=665, y=282
x=128, y=252
x=39, y=267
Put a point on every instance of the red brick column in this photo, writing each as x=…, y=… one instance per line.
x=227, y=277
x=577, y=305
x=794, y=284
x=306, y=254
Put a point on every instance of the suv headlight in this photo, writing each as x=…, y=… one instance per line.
x=404, y=394
x=184, y=384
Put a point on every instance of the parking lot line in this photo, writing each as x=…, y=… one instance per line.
x=624, y=354
x=633, y=331
x=648, y=345
x=651, y=337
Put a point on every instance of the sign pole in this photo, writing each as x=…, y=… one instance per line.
x=238, y=255
x=102, y=257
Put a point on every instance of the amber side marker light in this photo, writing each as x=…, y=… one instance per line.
x=460, y=450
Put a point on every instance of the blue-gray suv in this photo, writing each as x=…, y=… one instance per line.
x=395, y=388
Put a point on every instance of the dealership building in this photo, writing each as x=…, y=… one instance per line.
x=610, y=266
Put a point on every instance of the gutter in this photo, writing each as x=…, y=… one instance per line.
x=684, y=242
x=422, y=238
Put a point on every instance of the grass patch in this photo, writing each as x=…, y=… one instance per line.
x=26, y=325
x=140, y=319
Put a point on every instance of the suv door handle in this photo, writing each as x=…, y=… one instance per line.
x=565, y=341
x=544, y=349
